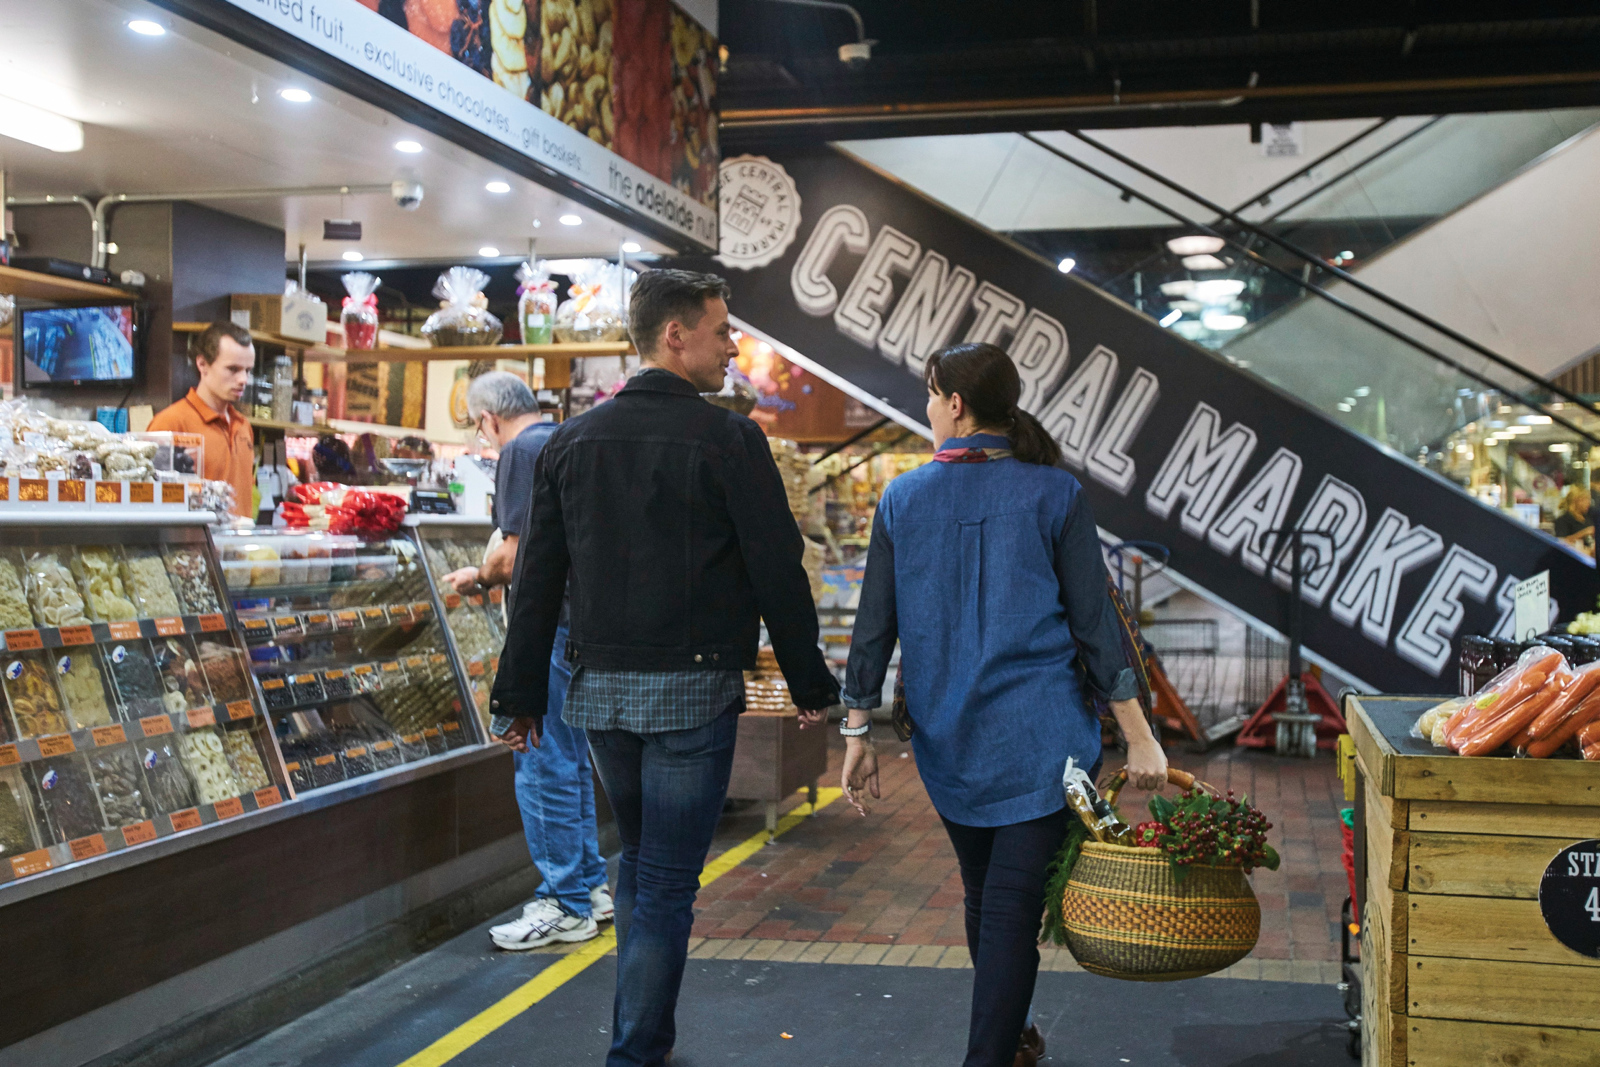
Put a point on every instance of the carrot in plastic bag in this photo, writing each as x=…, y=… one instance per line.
x=1583, y=682
x=1509, y=688
x=1586, y=714
x=1491, y=732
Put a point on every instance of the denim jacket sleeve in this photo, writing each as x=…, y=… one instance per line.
x=538, y=586
x=877, y=627
x=1081, y=570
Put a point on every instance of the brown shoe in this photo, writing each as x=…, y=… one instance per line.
x=1030, y=1047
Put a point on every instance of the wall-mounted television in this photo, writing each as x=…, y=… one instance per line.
x=78, y=345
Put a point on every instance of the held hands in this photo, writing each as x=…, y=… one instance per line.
x=860, y=771
x=810, y=717
x=524, y=733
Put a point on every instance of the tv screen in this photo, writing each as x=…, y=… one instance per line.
x=72, y=345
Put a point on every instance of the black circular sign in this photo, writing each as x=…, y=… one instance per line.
x=1569, y=897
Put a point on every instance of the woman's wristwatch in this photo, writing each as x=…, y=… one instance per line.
x=846, y=730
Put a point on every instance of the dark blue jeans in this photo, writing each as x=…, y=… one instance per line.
x=666, y=791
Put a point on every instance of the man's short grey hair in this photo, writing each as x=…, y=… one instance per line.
x=501, y=394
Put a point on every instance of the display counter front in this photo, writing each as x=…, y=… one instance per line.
x=476, y=624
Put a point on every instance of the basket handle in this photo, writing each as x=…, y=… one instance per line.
x=1181, y=779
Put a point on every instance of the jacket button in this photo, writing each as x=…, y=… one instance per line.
x=698, y=657
x=494, y=704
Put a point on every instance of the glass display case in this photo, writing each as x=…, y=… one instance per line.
x=345, y=642
x=476, y=624
x=127, y=713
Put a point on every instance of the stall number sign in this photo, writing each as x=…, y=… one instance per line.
x=1569, y=897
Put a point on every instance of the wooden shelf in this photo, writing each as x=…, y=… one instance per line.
x=344, y=426
x=421, y=352
x=36, y=286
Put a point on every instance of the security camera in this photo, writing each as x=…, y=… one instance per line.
x=407, y=195
x=856, y=54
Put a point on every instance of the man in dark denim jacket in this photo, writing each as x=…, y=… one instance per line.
x=669, y=517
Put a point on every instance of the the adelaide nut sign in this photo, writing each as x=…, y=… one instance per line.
x=866, y=277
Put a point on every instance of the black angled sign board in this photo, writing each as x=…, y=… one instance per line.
x=856, y=272
x=1569, y=897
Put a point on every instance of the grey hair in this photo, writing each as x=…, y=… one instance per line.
x=501, y=394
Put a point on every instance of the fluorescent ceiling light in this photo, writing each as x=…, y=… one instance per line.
x=1342, y=406
x=1517, y=429
x=410, y=147
x=1181, y=288
x=147, y=27
x=1205, y=262
x=1560, y=446
x=630, y=247
x=1188, y=307
x=1171, y=317
x=1535, y=420
x=488, y=251
x=1216, y=290
x=571, y=220
x=1195, y=245
x=295, y=96
x=353, y=256
x=1066, y=264
x=39, y=127
x=1365, y=390
x=1221, y=322
x=498, y=187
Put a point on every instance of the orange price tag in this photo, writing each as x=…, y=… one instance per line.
x=199, y=717
x=187, y=819
x=125, y=631
x=391, y=666
x=323, y=761
x=348, y=618
x=365, y=668
x=31, y=863
x=376, y=615
x=33, y=489
x=332, y=676
x=22, y=640
x=240, y=709
x=383, y=746
x=8, y=755
x=286, y=624
x=141, y=492
x=439, y=659
x=494, y=663
x=170, y=627
x=430, y=732
x=139, y=833
x=421, y=609
x=272, y=683
x=266, y=798
x=76, y=635
x=108, y=492
x=56, y=745
x=227, y=809
x=451, y=727
x=292, y=767
x=212, y=623
x=72, y=491
x=475, y=668
x=85, y=847
x=319, y=618
x=155, y=724
x=5, y=488
x=496, y=595
x=254, y=627
x=452, y=601
x=416, y=663
x=172, y=492
x=303, y=679
x=475, y=600
x=355, y=753
x=110, y=735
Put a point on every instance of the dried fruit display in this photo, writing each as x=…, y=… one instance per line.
x=52, y=591
x=14, y=614
x=99, y=575
x=133, y=669
x=31, y=692
x=575, y=66
x=510, y=59
x=208, y=764
x=246, y=761
x=82, y=687
x=69, y=796
x=180, y=674
x=18, y=831
x=225, y=672
x=119, y=785
x=147, y=583
x=170, y=787
x=189, y=572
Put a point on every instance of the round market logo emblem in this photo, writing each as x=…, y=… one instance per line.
x=760, y=212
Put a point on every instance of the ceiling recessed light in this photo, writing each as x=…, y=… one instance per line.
x=147, y=27
x=1172, y=316
x=1365, y=390
x=1066, y=264
x=488, y=251
x=498, y=187
x=630, y=247
x=295, y=96
x=1213, y=320
x=353, y=256
x=407, y=146
x=571, y=220
x=1217, y=290
x=1204, y=261
x=1195, y=245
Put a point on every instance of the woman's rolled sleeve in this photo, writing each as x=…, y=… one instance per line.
x=877, y=626
x=1081, y=570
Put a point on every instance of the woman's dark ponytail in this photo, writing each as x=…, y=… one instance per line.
x=988, y=382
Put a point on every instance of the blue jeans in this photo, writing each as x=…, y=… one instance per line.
x=555, y=793
x=667, y=791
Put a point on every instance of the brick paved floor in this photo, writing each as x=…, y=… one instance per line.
x=891, y=879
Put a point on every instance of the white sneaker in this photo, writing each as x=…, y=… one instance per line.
x=603, y=908
x=542, y=922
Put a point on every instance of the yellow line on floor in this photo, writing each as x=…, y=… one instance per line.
x=570, y=966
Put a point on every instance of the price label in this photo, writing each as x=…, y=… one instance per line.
x=30, y=863
x=109, y=735
x=72, y=491
x=319, y=620
x=139, y=833
x=286, y=625
x=376, y=616
x=35, y=490
x=292, y=766
x=497, y=595
x=240, y=709
x=172, y=493
x=266, y=798
x=227, y=809
x=1530, y=607
x=141, y=492
x=399, y=614
x=451, y=727
x=76, y=635
x=347, y=619
x=383, y=746
x=8, y=755
x=364, y=668
x=391, y=667
x=187, y=819
x=199, y=717
x=476, y=600
x=416, y=663
x=87, y=847
x=22, y=640
x=439, y=659
x=56, y=745
x=475, y=668
x=494, y=663
x=304, y=679
x=421, y=610
x=355, y=753
x=256, y=629
x=430, y=732
x=452, y=601
x=108, y=492
x=169, y=627
x=125, y=631
x=323, y=761
x=212, y=623
x=332, y=676
x=152, y=725
x=272, y=683
x=1569, y=898
x=411, y=739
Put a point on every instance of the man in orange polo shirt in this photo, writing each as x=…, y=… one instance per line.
x=224, y=356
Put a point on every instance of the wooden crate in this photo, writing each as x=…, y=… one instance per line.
x=1458, y=968
x=774, y=757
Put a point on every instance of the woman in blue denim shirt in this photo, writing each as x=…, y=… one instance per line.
x=986, y=567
